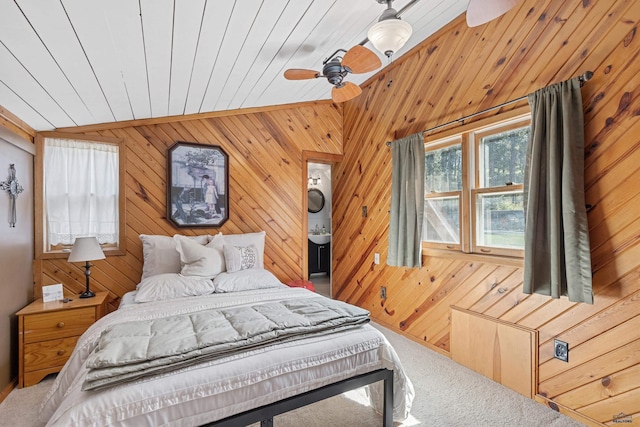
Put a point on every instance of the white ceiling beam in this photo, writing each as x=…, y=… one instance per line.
x=216, y=17
x=240, y=23
x=122, y=19
x=157, y=27
x=186, y=32
x=265, y=23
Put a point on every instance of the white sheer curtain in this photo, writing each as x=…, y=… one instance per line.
x=80, y=190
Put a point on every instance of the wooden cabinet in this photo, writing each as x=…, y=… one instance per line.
x=319, y=258
x=48, y=333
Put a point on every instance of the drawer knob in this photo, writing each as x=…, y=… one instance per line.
x=61, y=352
x=60, y=325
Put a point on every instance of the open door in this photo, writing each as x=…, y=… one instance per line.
x=317, y=259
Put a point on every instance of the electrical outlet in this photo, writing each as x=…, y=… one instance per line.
x=561, y=350
x=383, y=292
x=376, y=258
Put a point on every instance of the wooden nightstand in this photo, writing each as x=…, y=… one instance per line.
x=48, y=333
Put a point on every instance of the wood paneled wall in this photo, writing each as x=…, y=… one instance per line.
x=460, y=71
x=266, y=150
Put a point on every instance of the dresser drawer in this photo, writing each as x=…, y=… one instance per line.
x=45, y=354
x=57, y=324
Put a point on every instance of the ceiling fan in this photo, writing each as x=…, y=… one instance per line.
x=335, y=68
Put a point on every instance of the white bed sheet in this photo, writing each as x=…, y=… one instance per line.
x=215, y=390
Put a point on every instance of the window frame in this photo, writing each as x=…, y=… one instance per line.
x=437, y=145
x=40, y=238
x=470, y=136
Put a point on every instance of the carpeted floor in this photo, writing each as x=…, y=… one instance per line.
x=447, y=394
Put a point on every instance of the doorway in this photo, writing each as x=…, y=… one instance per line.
x=319, y=226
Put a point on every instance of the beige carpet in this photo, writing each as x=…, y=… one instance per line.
x=447, y=394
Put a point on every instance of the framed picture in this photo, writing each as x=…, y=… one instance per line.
x=198, y=185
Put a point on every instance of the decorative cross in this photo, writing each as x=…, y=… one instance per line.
x=13, y=188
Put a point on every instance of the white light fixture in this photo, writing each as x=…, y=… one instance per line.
x=389, y=34
x=314, y=181
x=480, y=12
x=86, y=249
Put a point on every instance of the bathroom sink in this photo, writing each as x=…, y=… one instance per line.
x=320, y=239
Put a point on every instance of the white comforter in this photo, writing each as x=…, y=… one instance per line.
x=215, y=390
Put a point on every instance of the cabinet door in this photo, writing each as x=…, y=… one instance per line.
x=313, y=258
x=324, y=258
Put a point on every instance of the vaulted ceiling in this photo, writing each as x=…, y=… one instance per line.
x=76, y=62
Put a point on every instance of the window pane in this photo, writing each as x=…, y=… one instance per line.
x=442, y=220
x=443, y=169
x=502, y=157
x=500, y=220
x=81, y=186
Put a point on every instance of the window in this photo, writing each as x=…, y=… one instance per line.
x=474, y=189
x=80, y=188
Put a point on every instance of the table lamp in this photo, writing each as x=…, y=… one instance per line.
x=86, y=249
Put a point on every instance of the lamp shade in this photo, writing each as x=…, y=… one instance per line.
x=85, y=249
x=388, y=36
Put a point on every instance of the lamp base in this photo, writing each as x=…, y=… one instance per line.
x=87, y=294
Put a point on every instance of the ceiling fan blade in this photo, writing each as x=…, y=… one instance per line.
x=300, y=74
x=359, y=59
x=482, y=11
x=346, y=92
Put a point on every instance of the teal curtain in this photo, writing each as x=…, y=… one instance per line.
x=557, y=258
x=407, y=202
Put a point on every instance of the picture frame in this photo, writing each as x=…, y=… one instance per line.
x=197, y=185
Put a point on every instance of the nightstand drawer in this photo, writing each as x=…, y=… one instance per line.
x=58, y=324
x=42, y=355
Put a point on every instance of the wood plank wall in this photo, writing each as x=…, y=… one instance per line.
x=462, y=70
x=265, y=151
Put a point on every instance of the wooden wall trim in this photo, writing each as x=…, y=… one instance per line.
x=590, y=422
x=13, y=123
x=188, y=117
x=8, y=389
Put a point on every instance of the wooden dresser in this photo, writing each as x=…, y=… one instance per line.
x=48, y=333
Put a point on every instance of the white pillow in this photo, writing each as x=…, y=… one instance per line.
x=244, y=280
x=246, y=239
x=203, y=261
x=160, y=255
x=172, y=285
x=238, y=258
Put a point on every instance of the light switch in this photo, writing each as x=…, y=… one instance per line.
x=376, y=258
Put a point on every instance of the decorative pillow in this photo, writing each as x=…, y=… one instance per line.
x=239, y=258
x=244, y=280
x=247, y=239
x=160, y=254
x=203, y=261
x=172, y=285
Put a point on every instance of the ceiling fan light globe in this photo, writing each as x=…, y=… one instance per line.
x=389, y=35
x=480, y=12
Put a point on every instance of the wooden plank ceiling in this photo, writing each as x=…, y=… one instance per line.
x=77, y=62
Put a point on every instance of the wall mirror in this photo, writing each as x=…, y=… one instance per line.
x=316, y=200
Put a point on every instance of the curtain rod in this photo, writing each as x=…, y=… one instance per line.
x=586, y=76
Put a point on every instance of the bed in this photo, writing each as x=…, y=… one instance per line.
x=227, y=389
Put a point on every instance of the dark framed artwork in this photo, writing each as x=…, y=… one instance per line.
x=198, y=185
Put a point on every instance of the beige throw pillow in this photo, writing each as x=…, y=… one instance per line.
x=160, y=255
x=241, y=257
x=202, y=261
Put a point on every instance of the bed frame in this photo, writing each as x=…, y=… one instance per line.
x=265, y=414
